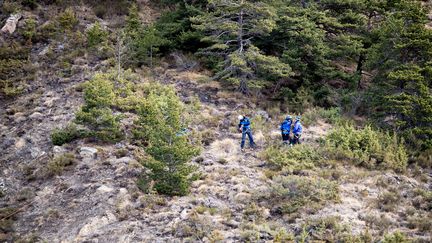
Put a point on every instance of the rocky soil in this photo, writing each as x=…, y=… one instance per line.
x=97, y=199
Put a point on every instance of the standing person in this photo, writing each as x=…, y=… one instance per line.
x=297, y=131
x=285, y=129
x=244, y=127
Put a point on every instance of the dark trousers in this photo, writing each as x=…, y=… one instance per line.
x=285, y=138
x=296, y=139
x=247, y=132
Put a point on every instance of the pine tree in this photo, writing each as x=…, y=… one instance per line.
x=402, y=54
x=231, y=27
x=143, y=41
x=160, y=126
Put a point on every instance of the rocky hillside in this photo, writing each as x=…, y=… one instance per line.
x=87, y=191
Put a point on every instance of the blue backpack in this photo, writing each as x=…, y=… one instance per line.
x=286, y=126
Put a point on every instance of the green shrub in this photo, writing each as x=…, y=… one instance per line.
x=292, y=193
x=57, y=165
x=30, y=29
x=311, y=116
x=367, y=147
x=159, y=128
x=10, y=6
x=102, y=122
x=97, y=114
x=15, y=69
x=330, y=229
x=96, y=35
x=99, y=92
x=67, y=20
x=396, y=237
x=66, y=135
x=299, y=157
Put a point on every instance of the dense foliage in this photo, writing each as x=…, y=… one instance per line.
x=368, y=57
x=161, y=129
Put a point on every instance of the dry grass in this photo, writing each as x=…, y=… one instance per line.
x=227, y=149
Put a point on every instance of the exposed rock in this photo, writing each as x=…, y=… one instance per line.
x=88, y=152
x=91, y=228
x=59, y=150
x=36, y=116
x=104, y=189
x=20, y=143
x=11, y=23
x=36, y=152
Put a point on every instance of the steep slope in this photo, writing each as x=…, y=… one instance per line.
x=96, y=199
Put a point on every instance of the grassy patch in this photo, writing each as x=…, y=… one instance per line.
x=367, y=147
x=329, y=229
x=312, y=116
x=58, y=164
x=66, y=135
x=295, y=158
x=290, y=194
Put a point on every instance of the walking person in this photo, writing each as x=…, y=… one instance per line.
x=244, y=127
x=285, y=130
x=297, y=131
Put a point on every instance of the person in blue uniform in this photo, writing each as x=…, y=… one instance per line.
x=244, y=127
x=285, y=129
x=297, y=131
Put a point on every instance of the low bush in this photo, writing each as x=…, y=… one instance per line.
x=97, y=114
x=299, y=157
x=311, y=116
x=329, y=229
x=29, y=31
x=396, y=237
x=367, y=147
x=15, y=69
x=388, y=200
x=67, y=20
x=66, y=135
x=57, y=165
x=292, y=193
x=96, y=34
x=102, y=122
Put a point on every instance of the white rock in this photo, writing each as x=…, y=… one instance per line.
x=36, y=116
x=11, y=23
x=20, y=143
x=95, y=224
x=88, y=152
x=58, y=150
x=105, y=189
x=36, y=152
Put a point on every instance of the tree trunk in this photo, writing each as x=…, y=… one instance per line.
x=243, y=81
x=243, y=88
x=240, y=32
x=359, y=71
x=151, y=56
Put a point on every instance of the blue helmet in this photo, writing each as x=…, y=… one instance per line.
x=298, y=118
x=289, y=117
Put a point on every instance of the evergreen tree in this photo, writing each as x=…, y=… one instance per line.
x=160, y=126
x=175, y=25
x=402, y=92
x=143, y=41
x=231, y=27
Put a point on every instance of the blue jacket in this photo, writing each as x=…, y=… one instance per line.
x=245, y=122
x=286, y=126
x=298, y=128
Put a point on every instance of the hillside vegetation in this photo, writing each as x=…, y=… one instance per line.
x=119, y=121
